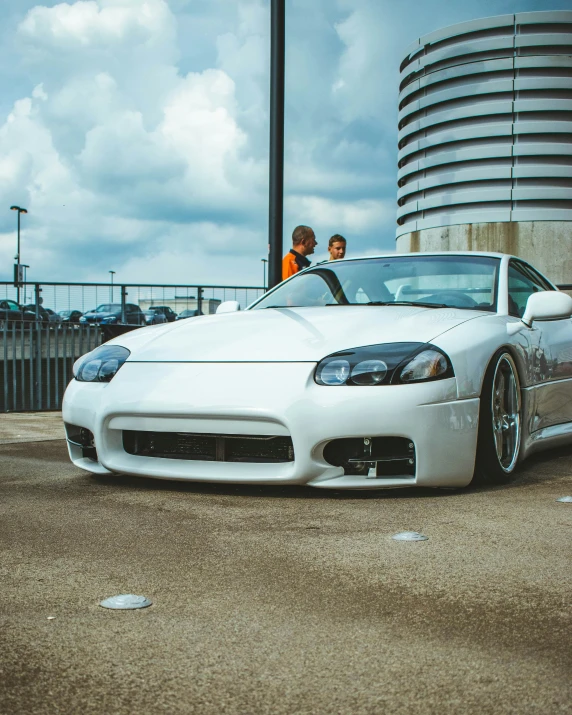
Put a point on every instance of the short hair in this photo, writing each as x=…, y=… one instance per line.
x=301, y=234
x=336, y=238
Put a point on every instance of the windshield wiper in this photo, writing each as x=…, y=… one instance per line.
x=373, y=302
x=407, y=302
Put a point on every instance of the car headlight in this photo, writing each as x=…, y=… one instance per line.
x=101, y=364
x=385, y=364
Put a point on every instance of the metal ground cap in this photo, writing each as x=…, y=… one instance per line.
x=126, y=601
x=409, y=536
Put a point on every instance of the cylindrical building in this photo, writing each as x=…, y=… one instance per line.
x=485, y=140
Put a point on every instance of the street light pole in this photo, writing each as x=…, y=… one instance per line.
x=264, y=262
x=112, y=273
x=25, y=267
x=276, y=183
x=20, y=210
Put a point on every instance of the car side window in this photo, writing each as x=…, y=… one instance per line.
x=522, y=283
x=534, y=276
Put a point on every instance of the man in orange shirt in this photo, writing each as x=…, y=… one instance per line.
x=303, y=244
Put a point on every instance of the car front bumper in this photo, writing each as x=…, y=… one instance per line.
x=279, y=399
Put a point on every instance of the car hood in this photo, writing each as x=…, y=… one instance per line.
x=289, y=334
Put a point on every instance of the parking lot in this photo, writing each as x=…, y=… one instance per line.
x=278, y=600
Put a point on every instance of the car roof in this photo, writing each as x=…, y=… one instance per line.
x=488, y=254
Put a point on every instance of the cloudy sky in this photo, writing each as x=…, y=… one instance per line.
x=136, y=131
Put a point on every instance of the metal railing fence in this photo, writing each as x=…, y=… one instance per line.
x=36, y=357
x=36, y=360
x=87, y=296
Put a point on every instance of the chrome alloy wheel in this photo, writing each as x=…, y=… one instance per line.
x=506, y=407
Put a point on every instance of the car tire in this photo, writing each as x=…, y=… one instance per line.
x=500, y=422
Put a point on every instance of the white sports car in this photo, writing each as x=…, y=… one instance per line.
x=390, y=371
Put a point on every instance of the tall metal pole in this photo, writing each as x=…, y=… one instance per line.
x=111, y=273
x=25, y=267
x=18, y=250
x=276, y=197
x=18, y=261
x=20, y=210
x=264, y=262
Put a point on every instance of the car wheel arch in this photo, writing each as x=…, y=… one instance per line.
x=517, y=359
x=487, y=468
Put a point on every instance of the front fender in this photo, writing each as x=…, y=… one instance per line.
x=471, y=346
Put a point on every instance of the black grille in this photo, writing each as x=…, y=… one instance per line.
x=81, y=437
x=209, y=447
x=390, y=456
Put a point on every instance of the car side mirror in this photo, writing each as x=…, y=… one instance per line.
x=229, y=306
x=546, y=305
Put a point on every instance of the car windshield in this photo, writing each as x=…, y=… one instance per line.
x=107, y=308
x=434, y=281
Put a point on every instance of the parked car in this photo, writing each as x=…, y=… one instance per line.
x=167, y=312
x=432, y=370
x=54, y=317
x=188, y=314
x=110, y=313
x=43, y=314
x=70, y=316
x=154, y=317
x=10, y=310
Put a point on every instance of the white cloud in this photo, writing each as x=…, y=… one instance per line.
x=340, y=216
x=368, y=43
x=199, y=125
x=192, y=254
x=96, y=23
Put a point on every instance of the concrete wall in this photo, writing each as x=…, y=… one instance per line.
x=545, y=244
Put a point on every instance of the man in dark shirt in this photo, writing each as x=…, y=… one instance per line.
x=303, y=244
x=337, y=247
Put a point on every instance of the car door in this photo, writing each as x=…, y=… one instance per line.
x=140, y=318
x=10, y=310
x=131, y=316
x=4, y=310
x=550, y=353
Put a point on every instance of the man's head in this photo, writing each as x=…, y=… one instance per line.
x=337, y=247
x=304, y=240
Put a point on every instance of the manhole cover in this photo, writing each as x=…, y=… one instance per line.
x=126, y=601
x=409, y=536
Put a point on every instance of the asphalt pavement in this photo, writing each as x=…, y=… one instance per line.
x=281, y=600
